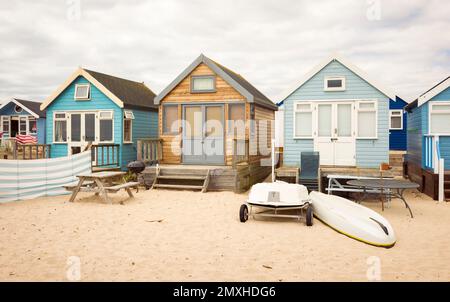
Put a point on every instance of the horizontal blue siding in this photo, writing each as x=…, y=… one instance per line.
x=398, y=138
x=40, y=123
x=145, y=125
x=369, y=153
x=9, y=110
x=444, y=143
x=414, y=137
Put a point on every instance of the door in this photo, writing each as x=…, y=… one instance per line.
x=335, y=138
x=82, y=131
x=203, y=134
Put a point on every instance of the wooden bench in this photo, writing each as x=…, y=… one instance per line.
x=124, y=186
x=86, y=184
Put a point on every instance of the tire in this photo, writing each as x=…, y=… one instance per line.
x=243, y=213
x=309, y=216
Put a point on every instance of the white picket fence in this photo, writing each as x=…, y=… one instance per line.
x=28, y=179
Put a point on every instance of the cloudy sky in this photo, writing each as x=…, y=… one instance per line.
x=404, y=44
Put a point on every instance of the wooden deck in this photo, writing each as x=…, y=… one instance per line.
x=221, y=178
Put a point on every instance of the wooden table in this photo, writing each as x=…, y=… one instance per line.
x=101, y=183
x=388, y=188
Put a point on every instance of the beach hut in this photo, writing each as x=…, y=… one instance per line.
x=429, y=138
x=102, y=111
x=210, y=120
x=397, y=133
x=340, y=112
x=20, y=117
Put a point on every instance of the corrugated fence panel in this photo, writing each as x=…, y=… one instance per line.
x=28, y=179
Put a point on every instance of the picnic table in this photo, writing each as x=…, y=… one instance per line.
x=102, y=183
x=387, y=188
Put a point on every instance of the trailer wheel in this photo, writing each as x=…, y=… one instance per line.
x=243, y=213
x=309, y=216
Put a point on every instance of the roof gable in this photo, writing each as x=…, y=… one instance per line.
x=31, y=107
x=349, y=66
x=433, y=92
x=233, y=79
x=124, y=93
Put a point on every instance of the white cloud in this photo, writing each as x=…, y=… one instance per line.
x=271, y=43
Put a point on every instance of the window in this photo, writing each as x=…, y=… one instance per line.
x=5, y=125
x=106, y=126
x=440, y=118
x=18, y=109
x=32, y=125
x=128, y=126
x=396, y=119
x=236, y=119
x=23, y=125
x=367, y=120
x=203, y=84
x=60, y=128
x=303, y=120
x=170, y=119
x=334, y=84
x=82, y=92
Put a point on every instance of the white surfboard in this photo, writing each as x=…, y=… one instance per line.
x=353, y=220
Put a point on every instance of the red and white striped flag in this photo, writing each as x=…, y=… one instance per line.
x=26, y=139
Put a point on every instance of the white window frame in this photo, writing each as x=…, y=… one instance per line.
x=128, y=115
x=200, y=77
x=21, y=120
x=391, y=115
x=325, y=84
x=311, y=110
x=18, y=111
x=112, y=129
x=6, y=118
x=430, y=112
x=65, y=118
x=84, y=98
x=358, y=109
x=31, y=118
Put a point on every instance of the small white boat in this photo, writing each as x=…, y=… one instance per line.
x=353, y=220
x=272, y=198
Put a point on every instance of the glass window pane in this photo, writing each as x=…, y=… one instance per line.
x=334, y=83
x=303, y=124
x=324, y=119
x=345, y=120
x=194, y=121
x=303, y=107
x=60, y=115
x=75, y=125
x=106, y=130
x=82, y=92
x=89, y=127
x=202, y=84
x=366, y=105
x=367, y=124
x=440, y=123
x=127, y=130
x=439, y=107
x=60, y=131
x=5, y=125
x=214, y=126
x=105, y=115
x=237, y=112
x=32, y=126
x=170, y=118
x=396, y=122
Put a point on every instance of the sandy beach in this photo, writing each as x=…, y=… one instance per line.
x=188, y=236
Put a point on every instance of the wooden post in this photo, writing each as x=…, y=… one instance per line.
x=441, y=180
x=139, y=149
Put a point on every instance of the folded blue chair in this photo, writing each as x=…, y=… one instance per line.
x=309, y=170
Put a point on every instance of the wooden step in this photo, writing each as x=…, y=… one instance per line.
x=182, y=177
x=178, y=187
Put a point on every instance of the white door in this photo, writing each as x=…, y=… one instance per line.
x=82, y=131
x=324, y=140
x=335, y=138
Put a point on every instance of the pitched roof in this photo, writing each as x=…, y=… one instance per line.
x=346, y=63
x=125, y=93
x=429, y=94
x=249, y=91
x=29, y=106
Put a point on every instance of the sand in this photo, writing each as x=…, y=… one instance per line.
x=189, y=236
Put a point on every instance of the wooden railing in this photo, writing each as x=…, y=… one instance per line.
x=240, y=151
x=27, y=152
x=105, y=156
x=149, y=150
